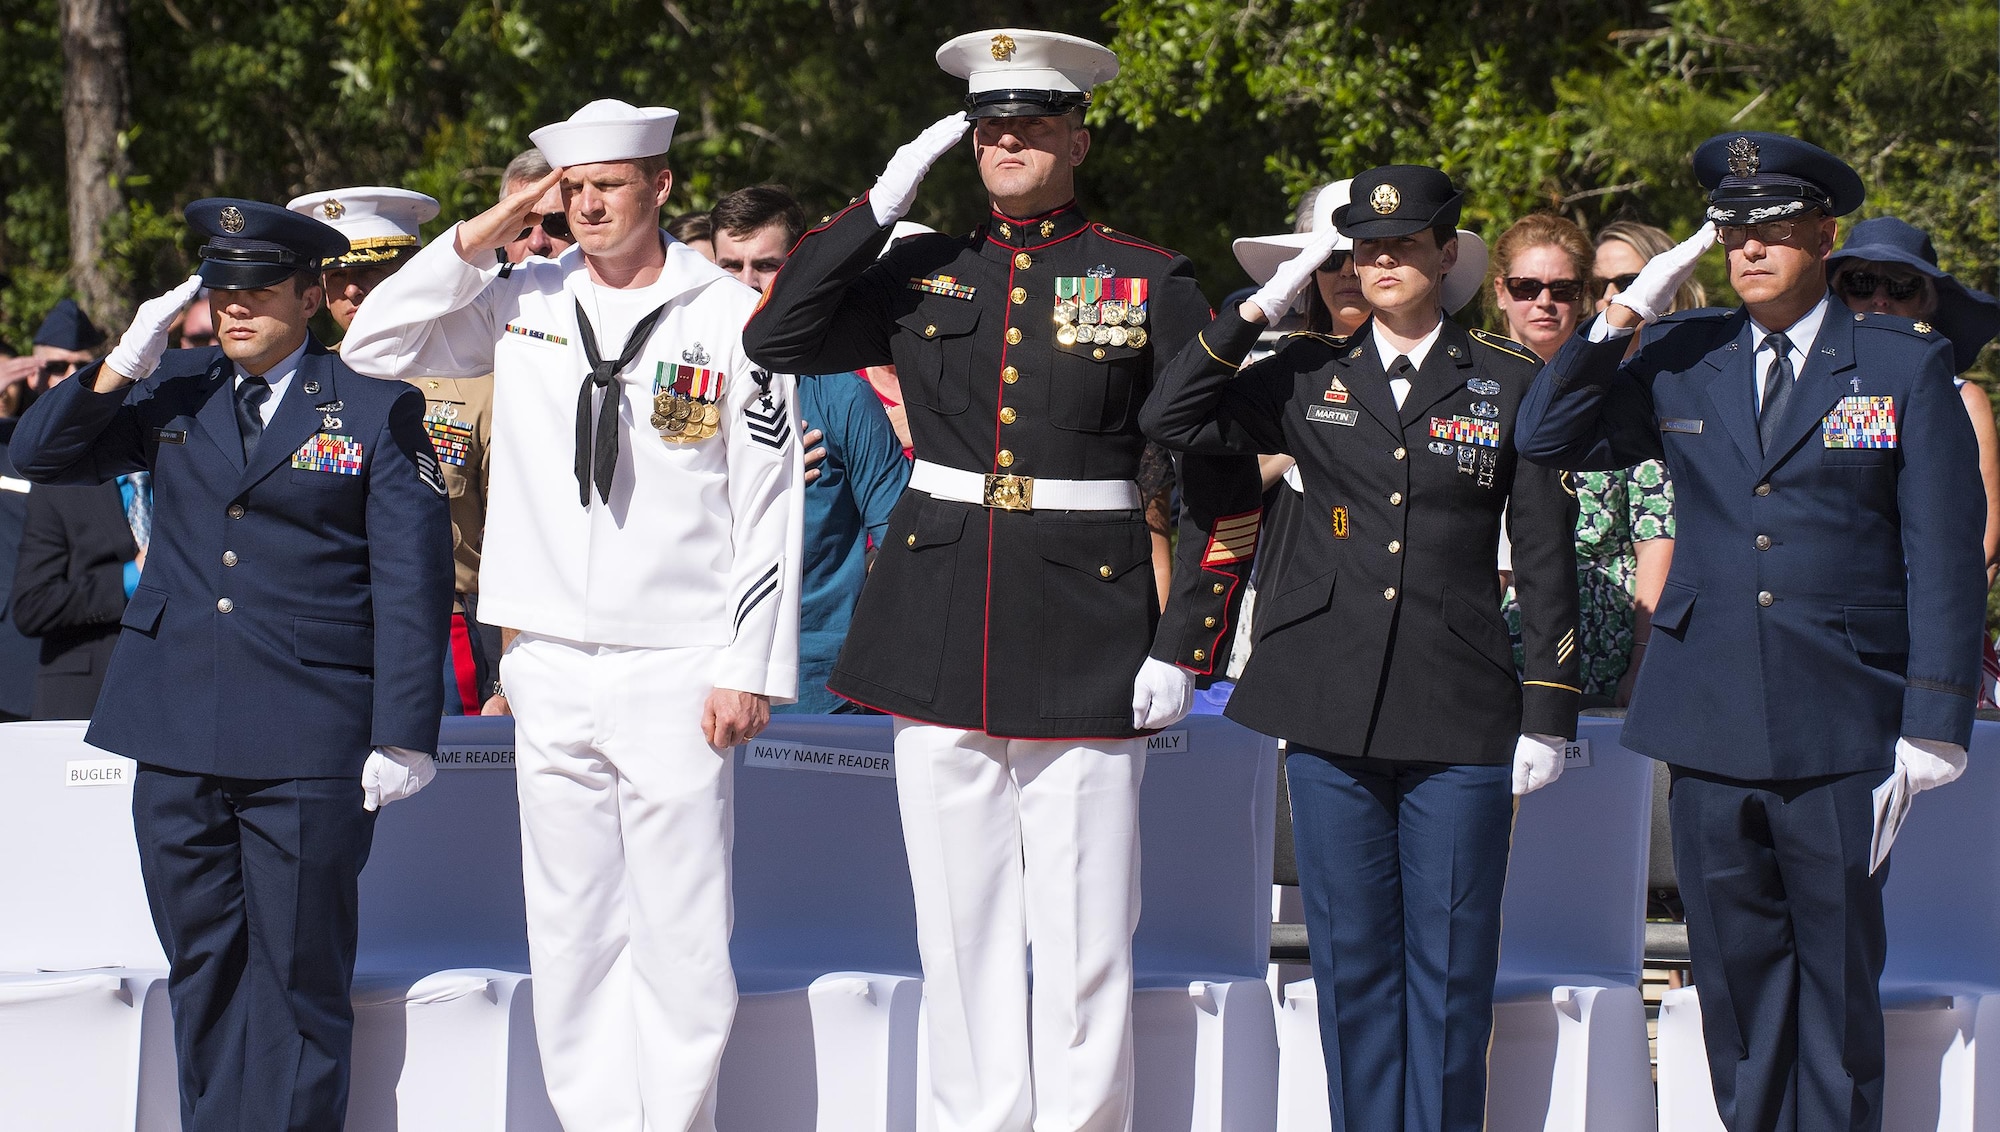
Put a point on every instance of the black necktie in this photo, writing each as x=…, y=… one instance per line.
x=595, y=463
x=1400, y=368
x=251, y=393
x=1777, y=388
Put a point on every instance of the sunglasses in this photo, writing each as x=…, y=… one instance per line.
x=555, y=224
x=1862, y=284
x=1526, y=288
x=54, y=369
x=1336, y=261
x=1622, y=282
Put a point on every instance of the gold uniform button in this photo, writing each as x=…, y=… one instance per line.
x=1104, y=572
x=1013, y=336
x=1098, y=353
x=1010, y=375
x=1218, y=587
x=1019, y=295
x=1208, y=622
x=1007, y=415
x=229, y=558
x=1023, y=261
x=930, y=331
x=1389, y=594
x=1006, y=458
x=1402, y=452
x=1764, y=598
x=224, y=605
x=1395, y=499
x=1395, y=546
x=235, y=511
x=911, y=542
x=1201, y=654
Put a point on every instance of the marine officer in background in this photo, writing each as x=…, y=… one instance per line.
x=1011, y=621
x=276, y=674
x=382, y=229
x=1820, y=631
x=1382, y=658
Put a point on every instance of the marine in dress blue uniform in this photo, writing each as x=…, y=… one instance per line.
x=290, y=619
x=1821, y=625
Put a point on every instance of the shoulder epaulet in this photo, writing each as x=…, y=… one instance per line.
x=1694, y=314
x=1913, y=328
x=1505, y=345
x=1110, y=233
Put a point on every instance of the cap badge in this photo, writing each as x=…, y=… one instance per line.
x=334, y=209
x=1743, y=159
x=1385, y=199
x=1003, y=47
x=232, y=219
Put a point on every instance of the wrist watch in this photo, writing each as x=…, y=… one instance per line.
x=499, y=689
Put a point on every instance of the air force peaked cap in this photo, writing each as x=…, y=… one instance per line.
x=607, y=130
x=252, y=245
x=1020, y=73
x=1753, y=177
x=380, y=223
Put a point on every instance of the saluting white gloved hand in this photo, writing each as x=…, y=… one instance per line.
x=1275, y=297
x=1652, y=292
x=1161, y=695
x=392, y=774
x=897, y=186
x=1929, y=763
x=137, y=354
x=1538, y=761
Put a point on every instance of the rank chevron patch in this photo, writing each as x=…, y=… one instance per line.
x=769, y=424
x=760, y=589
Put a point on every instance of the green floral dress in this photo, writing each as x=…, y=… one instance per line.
x=1617, y=509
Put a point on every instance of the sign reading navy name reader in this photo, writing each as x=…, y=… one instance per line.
x=778, y=754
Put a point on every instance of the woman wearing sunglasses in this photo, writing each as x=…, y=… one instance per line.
x=1889, y=267
x=1623, y=248
x=1625, y=523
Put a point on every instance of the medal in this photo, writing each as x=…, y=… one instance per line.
x=1066, y=335
x=1117, y=335
x=1112, y=313
x=1135, y=337
x=710, y=417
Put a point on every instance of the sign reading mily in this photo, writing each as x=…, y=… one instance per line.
x=774, y=754
x=1167, y=743
x=98, y=772
x=474, y=756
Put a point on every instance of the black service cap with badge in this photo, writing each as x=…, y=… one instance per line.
x=1019, y=73
x=252, y=245
x=1398, y=200
x=1753, y=177
x=66, y=327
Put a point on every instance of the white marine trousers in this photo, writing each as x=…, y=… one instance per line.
x=1016, y=845
x=625, y=837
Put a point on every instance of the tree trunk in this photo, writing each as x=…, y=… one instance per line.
x=96, y=111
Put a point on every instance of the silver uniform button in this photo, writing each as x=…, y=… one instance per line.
x=235, y=511
x=1763, y=542
x=229, y=558
x=1764, y=598
x=224, y=605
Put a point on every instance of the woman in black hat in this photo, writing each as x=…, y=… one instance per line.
x=1889, y=267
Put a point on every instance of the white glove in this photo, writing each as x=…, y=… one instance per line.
x=1161, y=695
x=897, y=186
x=1275, y=297
x=1929, y=763
x=138, y=353
x=1538, y=761
x=1652, y=292
x=392, y=774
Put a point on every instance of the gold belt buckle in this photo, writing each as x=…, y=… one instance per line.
x=1010, y=493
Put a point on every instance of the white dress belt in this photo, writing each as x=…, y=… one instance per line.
x=1023, y=493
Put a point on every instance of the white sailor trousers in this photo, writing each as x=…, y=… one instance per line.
x=625, y=838
x=1017, y=845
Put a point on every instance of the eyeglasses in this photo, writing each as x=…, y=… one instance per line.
x=1862, y=284
x=1769, y=232
x=1526, y=288
x=1622, y=282
x=1336, y=261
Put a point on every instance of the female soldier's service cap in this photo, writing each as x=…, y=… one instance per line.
x=1017, y=73
x=1398, y=200
x=380, y=223
x=607, y=130
x=252, y=245
x=1753, y=177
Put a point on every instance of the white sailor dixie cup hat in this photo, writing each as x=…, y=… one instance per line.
x=380, y=223
x=1020, y=73
x=607, y=130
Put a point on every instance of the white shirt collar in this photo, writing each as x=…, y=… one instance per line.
x=1416, y=353
x=1799, y=334
x=278, y=377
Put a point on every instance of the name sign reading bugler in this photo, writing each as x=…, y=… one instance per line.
x=98, y=772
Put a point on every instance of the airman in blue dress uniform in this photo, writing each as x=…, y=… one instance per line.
x=1820, y=631
x=276, y=673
